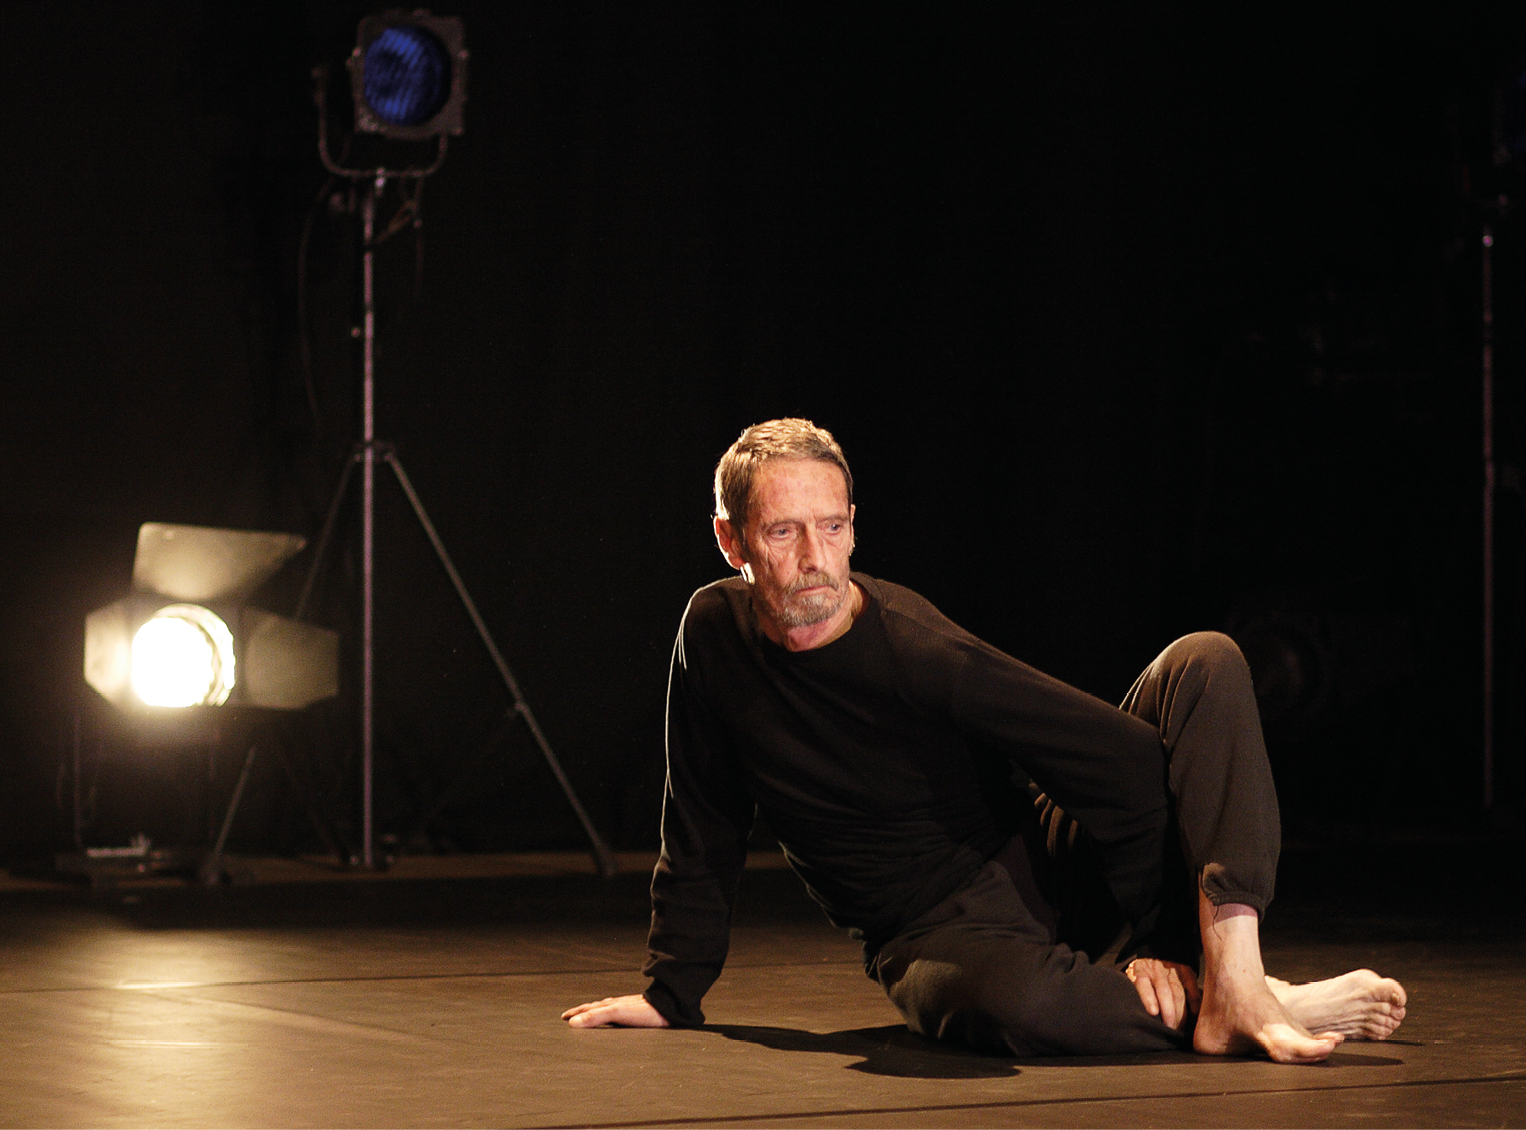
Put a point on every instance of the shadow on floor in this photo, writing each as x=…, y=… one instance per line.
x=1337, y=1059
x=891, y=1049
x=894, y=1050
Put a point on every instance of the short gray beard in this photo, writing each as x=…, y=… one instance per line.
x=811, y=610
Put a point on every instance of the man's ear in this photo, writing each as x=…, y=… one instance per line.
x=731, y=545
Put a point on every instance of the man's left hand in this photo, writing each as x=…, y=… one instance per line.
x=1168, y=989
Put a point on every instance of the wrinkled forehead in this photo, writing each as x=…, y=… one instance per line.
x=817, y=485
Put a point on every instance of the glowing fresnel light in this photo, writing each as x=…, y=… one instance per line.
x=183, y=656
x=187, y=638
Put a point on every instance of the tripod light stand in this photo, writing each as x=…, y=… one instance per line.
x=408, y=78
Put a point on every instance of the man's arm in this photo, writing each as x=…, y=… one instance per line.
x=1106, y=768
x=707, y=814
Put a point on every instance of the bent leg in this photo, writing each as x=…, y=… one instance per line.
x=1198, y=693
x=982, y=971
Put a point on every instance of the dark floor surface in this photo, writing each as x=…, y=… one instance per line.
x=434, y=1002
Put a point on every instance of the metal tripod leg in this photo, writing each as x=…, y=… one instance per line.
x=211, y=870
x=603, y=859
x=326, y=536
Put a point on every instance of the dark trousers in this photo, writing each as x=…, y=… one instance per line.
x=1018, y=961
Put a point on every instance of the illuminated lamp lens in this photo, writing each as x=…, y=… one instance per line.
x=407, y=76
x=183, y=656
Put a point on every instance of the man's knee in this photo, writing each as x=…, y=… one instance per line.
x=1210, y=651
x=1201, y=659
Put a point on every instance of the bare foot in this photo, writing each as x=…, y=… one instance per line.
x=1359, y=1005
x=1238, y=1020
x=1239, y=1014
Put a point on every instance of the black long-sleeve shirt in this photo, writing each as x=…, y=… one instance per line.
x=884, y=764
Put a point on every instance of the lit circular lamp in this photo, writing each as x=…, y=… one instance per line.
x=183, y=656
x=407, y=76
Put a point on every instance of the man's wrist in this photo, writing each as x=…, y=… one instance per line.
x=667, y=1005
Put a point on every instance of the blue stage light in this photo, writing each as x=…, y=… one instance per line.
x=407, y=77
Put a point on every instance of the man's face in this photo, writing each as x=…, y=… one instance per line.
x=799, y=538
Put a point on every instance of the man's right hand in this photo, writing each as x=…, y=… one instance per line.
x=625, y=1012
x=1168, y=989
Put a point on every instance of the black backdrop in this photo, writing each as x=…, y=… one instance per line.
x=1131, y=322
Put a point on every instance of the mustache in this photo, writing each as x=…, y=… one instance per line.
x=815, y=580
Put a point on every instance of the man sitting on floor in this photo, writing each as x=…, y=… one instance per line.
x=1031, y=871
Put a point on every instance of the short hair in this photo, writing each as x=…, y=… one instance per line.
x=773, y=439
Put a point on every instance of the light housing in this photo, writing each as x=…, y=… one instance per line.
x=408, y=75
x=186, y=637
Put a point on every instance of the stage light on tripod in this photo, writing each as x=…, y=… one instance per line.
x=183, y=656
x=408, y=75
x=186, y=637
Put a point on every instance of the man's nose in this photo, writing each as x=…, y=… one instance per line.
x=810, y=549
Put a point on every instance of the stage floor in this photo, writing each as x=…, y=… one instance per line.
x=430, y=997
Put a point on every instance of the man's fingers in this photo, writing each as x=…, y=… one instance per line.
x=1161, y=978
x=578, y=1010
x=1166, y=989
x=1139, y=973
x=587, y=1016
x=1147, y=993
x=1176, y=1000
